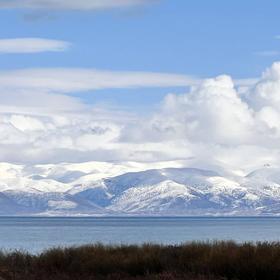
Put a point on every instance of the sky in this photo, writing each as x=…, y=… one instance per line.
x=140, y=80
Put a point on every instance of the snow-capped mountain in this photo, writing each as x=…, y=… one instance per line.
x=164, y=188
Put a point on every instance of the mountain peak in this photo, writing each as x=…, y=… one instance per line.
x=167, y=188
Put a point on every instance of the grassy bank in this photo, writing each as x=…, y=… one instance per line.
x=194, y=261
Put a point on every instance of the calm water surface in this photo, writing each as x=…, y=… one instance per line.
x=36, y=234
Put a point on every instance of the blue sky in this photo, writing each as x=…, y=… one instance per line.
x=141, y=80
x=200, y=38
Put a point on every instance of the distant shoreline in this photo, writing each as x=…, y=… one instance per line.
x=142, y=216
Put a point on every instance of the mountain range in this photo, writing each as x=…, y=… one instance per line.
x=101, y=188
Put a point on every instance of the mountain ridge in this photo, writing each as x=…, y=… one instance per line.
x=97, y=188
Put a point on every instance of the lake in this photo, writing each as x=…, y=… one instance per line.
x=36, y=234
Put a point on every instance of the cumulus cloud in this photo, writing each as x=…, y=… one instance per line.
x=266, y=92
x=71, y=4
x=215, y=124
x=32, y=45
x=212, y=125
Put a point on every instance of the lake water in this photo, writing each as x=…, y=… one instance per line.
x=36, y=234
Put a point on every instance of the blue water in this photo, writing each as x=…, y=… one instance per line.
x=36, y=234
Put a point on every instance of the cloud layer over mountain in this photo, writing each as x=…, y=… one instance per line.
x=216, y=124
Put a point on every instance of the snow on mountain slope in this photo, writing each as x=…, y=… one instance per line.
x=53, y=203
x=103, y=192
x=169, y=191
x=100, y=170
x=267, y=176
x=98, y=188
x=186, y=176
x=60, y=177
x=162, y=196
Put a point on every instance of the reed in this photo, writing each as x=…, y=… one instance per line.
x=192, y=261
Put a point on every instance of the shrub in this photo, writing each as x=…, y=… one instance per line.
x=193, y=261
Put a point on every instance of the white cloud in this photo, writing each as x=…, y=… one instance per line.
x=267, y=91
x=32, y=45
x=71, y=4
x=44, y=91
x=213, y=125
x=65, y=80
x=37, y=102
x=208, y=110
x=71, y=80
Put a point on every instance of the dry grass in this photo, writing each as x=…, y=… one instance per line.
x=194, y=261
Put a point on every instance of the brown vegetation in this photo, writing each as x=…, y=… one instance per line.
x=194, y=261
